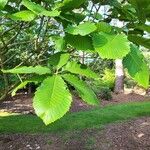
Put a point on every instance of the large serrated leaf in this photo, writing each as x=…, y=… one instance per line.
x=82, y=29
x=27, y=70
x=112, y=46
x=81, y=69
x=59, y=59
x=133, y=61
x=39, y=10
x=24, y=15
x=83, y=89
x=52, y=99
x=80, y=42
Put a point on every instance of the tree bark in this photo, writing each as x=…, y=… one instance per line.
x=119, y=73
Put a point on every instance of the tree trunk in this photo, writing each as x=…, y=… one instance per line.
x=119, y=73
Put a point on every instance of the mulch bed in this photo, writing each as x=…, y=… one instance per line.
x=23, y=103
x=130, y=135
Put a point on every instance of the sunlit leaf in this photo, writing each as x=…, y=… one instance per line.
x=24, y=15
x=3, y=3
x=52, y=99
x=81, y=69
x=111, y=46
x=27, y=70
x=103, y=27
x=85, y=92
x=82, y=29
x=39, y=10
x=24, y=83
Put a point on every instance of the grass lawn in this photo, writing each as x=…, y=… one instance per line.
x=96, y=118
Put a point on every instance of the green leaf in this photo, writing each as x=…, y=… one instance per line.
x=3, y=3
x=71, y=4
x=142, y=77
x=36, y=8
x=53, y=13
x=73, y=17
x=82, y=29
x=24, y=83
x=83, y=89
x=39, y=10
x=133, y=61
x=103, y=27
x=24, y=15
x=60, y=43
x=143, y=27
x=20, y=86
x=80, y=42
x=140, y=7
x=81, y=69
x=27, y=70
x=59, y=59
x=138, y=40
x=99, y=40
x=52, y=99
x=137, y=67
x=111, y=46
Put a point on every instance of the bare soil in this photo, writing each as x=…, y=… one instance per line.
x=23, y=103
x=130, y=135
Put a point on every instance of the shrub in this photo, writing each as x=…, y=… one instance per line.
x=108, y=78
x=130, y=83
x=101, y=89
x=105, y=93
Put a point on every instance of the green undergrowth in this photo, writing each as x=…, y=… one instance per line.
x=96, y=118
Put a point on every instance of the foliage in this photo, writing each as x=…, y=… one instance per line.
x=105, y=93
x=57, y=99
x=28, y=70
x=82, y=29
x=107, y=45
x=58, y=60
x=105, y=85
x=108, y=78
x=81, y=69
x=30, y=31
x=129, y=83
x=24, y=15
x=137, y=66
x=80, y=42
x=103, y=27
x=84, y=91
x=3, y=3
x=52, y=98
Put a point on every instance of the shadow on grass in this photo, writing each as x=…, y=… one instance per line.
x=96, y=118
